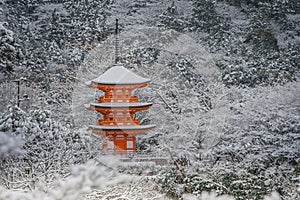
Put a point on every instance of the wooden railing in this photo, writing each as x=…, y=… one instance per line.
x=132, y=99
x=120, y=123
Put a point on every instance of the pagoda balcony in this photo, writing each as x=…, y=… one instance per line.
x=132, y=99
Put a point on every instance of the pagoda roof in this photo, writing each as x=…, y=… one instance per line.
x=125, y=128
x=119, y=75
x=119, y=105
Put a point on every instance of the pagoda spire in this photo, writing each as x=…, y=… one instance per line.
x=117, y=50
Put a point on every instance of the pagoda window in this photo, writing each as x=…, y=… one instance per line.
x=110, y=145
x=111, y=117
x=129, y=144
x=119, y=116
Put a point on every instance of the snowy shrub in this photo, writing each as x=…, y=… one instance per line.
x=82, y=180
x=139, y=168
x=214, y=196
x=175, y=181
x=48, y=148
x=9, y=145
x=171, y=182
x=86, y=177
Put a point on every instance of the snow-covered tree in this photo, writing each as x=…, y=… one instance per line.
x=257, y=150
x=48, y=148
x=173, y=19
x=10, y=51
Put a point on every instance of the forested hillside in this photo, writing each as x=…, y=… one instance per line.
x=225, y=92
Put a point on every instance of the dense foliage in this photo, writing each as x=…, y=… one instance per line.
x=258, y=152
x=53, y=35
x=37, y=148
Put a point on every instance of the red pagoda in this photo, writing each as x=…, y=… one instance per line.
x=118, y=106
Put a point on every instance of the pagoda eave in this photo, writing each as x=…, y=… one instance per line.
x=120, y=105
x=111, y=86
x=130, y=130
x=132, y=106
x=123, y=107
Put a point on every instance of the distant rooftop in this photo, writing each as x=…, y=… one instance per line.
x=118, y=74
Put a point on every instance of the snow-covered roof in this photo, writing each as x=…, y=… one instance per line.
x=118, y=74
x=135, y=127
x=119, y=105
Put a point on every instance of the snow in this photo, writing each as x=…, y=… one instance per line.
x=213, y=196
x=119, y=105
x=143, y=188
x=140, y=127
x=118, y=74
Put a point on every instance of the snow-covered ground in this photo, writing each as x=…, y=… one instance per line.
x=143, y=188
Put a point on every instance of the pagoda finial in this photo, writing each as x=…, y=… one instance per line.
x=117, y=43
